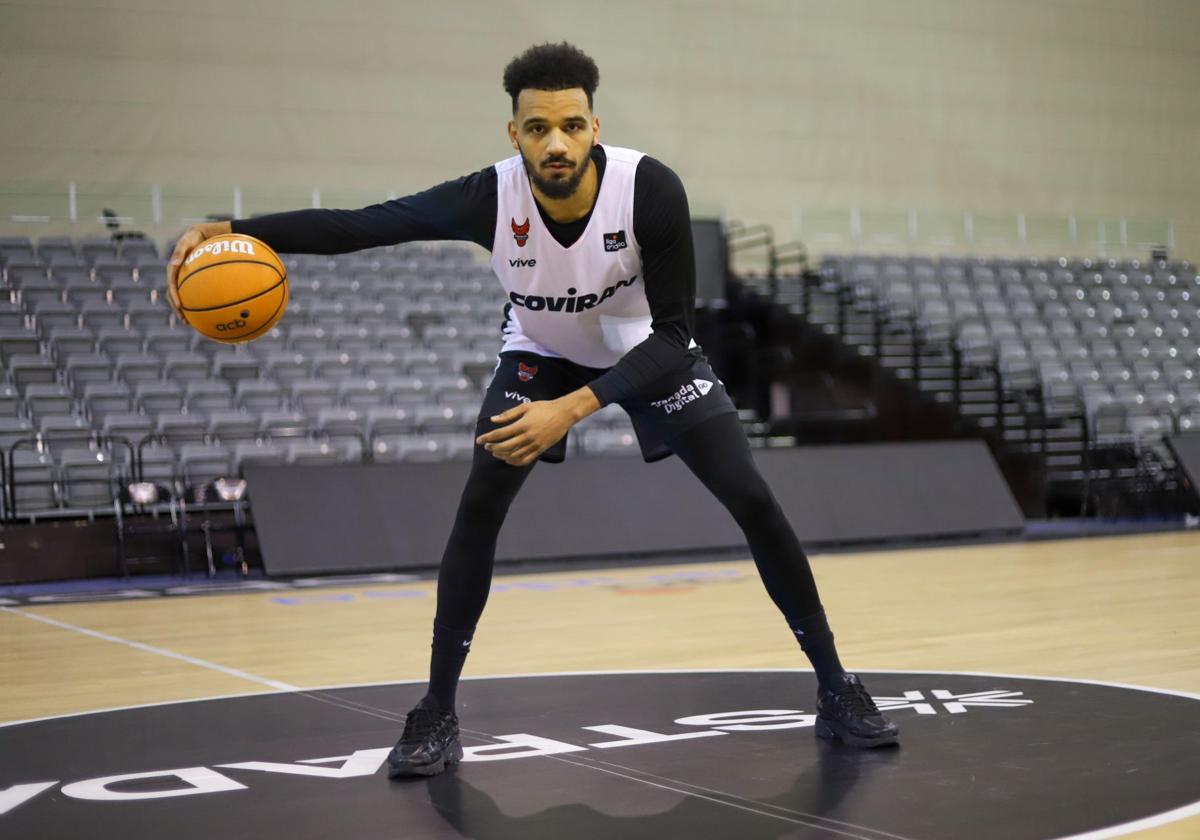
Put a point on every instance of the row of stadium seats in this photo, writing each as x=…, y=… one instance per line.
x=1059, y=356
x=85, y=475
x=103, y=252
x=382, y=354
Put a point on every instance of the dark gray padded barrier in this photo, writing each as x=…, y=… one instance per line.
x=385, y=517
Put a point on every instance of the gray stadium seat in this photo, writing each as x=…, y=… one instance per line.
x=18, y=342
x=232, y=426
x=158, y=463
x=388, y=448
x=10, y=400
x=200, y=463
x=117, y=341
x=129, y=426
x=311, y=395
x=39, y=293
x=104, y=398
x=26, y=368
x=303, y=338
x=12, y=316
x=235, y=367
x=379, y=364
x=137, y=367
x=35, y=485
x=333, y=365
x=307, y=452
x=186, y=366
x=360, y=392
x=454, y=446
x=52, y=314
x=203, y=396
x=64, y=341
x=283, y=423
x=91, y=478
x=80, y=293
x=390, y=420
x=148, y=314
x=609, y=442
x=396, y=336
x=158, y=397
x=178, y=428
x=13, y=429
x=398, y=388
x=344, y=429
x=246, y=453
x=353, y=339
x=258, y=394
x=65, y=431
x=99, y=316
x=166, y=340
x=286, y=366
x=42, y=399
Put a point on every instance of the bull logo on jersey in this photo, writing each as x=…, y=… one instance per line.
x=520, y=232
x=526, y=372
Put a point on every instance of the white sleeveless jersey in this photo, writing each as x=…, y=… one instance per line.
x=587, y=302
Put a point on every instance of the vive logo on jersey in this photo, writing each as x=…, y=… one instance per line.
x=520, y=263
x=615, y=241
x=687, y=393
x=520, y=232
x=569, y=303
x=526, y=372
x=516, y=396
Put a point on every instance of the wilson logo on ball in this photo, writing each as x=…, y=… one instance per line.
x=222, y=246
x=232, y=288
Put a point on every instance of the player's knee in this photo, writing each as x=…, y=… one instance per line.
x=752, y=502
x=490, y=490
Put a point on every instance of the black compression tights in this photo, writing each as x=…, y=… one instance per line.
x=716, y=451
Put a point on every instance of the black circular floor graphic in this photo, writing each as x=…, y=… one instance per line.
x=629, y=756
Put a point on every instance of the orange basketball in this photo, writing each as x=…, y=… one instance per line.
x=232, y=288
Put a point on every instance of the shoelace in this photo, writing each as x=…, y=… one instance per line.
x=856, y=699
x=421, y=722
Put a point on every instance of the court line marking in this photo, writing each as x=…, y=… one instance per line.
x=1152, y=821
x=331, y=687
x=686, y=788
x=170, y=654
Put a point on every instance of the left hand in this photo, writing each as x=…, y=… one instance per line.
x=526, y=431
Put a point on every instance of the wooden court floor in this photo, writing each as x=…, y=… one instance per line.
x=1123, y=609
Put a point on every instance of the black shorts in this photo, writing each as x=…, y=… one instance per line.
x=675, y=404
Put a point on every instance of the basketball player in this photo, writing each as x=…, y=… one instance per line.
x=593, y=245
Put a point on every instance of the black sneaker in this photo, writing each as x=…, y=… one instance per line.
x=428, y=745
x=846, y=711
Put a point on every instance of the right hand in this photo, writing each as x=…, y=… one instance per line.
x=192, y=237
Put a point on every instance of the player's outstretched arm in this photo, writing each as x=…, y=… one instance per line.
x=462, y=210
x=192, y=237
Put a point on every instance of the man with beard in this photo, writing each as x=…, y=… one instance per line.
x=593, y=245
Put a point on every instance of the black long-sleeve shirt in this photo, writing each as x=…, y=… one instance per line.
x=465, y=209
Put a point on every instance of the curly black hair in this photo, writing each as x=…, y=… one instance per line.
x=551, y=67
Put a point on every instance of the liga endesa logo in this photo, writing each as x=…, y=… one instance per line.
x=197, y=780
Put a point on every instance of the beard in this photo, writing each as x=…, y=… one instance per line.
x=560, y=187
